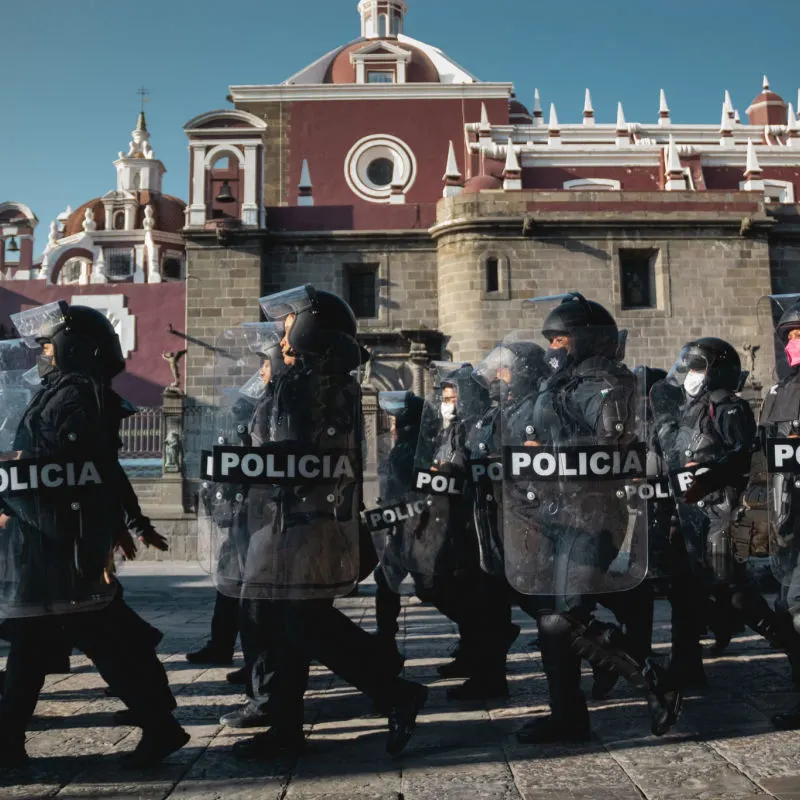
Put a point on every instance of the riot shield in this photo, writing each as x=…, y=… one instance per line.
x=511, y=375
x=574, y=488
x=285, y=483
x=399, y=519
x=780, y=424
x=59, y=512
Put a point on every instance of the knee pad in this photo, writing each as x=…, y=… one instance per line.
x=553, y=624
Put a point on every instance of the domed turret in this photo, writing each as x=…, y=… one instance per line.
x=768, y=108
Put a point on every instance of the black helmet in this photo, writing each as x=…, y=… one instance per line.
x=472, y=399
x=718, y=358
x=83, y=338
x=592, y=328
x=789, y=319
x=525, y=361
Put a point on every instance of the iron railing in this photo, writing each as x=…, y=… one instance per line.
x=141, y=434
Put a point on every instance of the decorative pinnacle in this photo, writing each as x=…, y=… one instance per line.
x=553, y=123
x=765, y=84
x=485, y=124
x=588, y=111
x=726, y=124
x=537, y=104
x=727, y=104
x=736, y=118
x=792, y=124
x=663, y=108
x=673, y=159
x=512, y=162
x=305, y=176
x=622, y=126
x=753, y=167
x=452, y=170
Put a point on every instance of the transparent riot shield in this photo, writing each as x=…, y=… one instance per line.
x=511, y=375
x=780, y=424
x=59, y=512
x=399, y=519
x=284, y=472
x=574, y=487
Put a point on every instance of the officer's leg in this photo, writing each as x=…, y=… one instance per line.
x=224, y=630
x=387, y=611
x=25, y=673
x=331, y=637
x=569, y=717
x=125, y=657
x=688, y=597
x=788, y=609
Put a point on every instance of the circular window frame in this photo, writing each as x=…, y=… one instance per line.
x=364, y=152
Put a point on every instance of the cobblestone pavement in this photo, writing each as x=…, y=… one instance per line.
x=722, y=749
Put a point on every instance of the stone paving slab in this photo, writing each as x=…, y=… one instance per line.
x=723, y=748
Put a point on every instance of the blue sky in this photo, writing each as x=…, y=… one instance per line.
x=69, y=99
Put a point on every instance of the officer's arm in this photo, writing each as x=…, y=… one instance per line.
x=135, y=520
x=607, y=410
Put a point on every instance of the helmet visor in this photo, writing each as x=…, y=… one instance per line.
x=690, y=360
x=393, y=403
x=38, y=324
x=261, y=336
x=292, y=301
x=254, y=388
x=500, y=364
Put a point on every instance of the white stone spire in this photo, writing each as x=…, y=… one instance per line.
x=736, y=118
x=512, y=171
x=453, y=184
x=752, y=167
x=538, y=118
x=588, y=111
x=553, y=129
x=623, y=137
x=305, y=189
x=727, y=104
x=765, y=84
x=139, y=169
x=663, y=109
x=382, y=18
x=726, y=125
x=676, y=178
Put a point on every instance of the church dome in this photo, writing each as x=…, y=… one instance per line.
x=419, y=69
x=168, y=213
x=768, y=108
x=482, y=183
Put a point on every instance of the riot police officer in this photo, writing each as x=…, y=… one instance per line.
x=302, y=524
x=57, y=541
x=780, y=419
x=702, y=423
x=572, y=533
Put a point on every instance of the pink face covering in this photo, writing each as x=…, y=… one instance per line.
x=793, y=352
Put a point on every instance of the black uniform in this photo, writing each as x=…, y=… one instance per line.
x=75, y=417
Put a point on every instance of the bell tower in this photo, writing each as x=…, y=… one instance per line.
x=382, y=19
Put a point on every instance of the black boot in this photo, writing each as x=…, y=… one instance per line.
x=552, y=729
x=238, y=677
x=270, y=745
x=248, y=716
x=787, y=720
x=12, y=753
x=403, y=716
x=211, y=656
x=604, y=680
x=157, y=742
x=664, y=699
x=479, y=688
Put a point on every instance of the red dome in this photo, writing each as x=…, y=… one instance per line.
x=482, y=183
x=517, y=113
x=168, y=214
x=768, y=108
x=419, y=68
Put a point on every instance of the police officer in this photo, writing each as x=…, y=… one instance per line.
x=303, y=535
x=575, y=534
x=703, y=423
x=780, y=419
x=57, y=542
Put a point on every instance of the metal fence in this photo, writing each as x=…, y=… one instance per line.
x=141, y=434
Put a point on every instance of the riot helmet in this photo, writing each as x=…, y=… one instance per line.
x=591, y=327
x=320, y=319
x=512, y=370
x=83, y=338
x=789, y=319
x=707, y=363
x=264, y=339
x=406, y=409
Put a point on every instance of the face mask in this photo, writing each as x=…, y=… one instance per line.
x=43, y=365
x=557, y=358
x=694, y=383
x=793, y=352
x=448, y=412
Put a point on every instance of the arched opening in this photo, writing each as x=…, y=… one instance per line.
x=119, y=220
x=224, y=187
x=71, y=272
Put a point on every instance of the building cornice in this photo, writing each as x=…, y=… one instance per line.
x=370, y=91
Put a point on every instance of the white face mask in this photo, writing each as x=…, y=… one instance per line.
x=448, y=411
x=694, y=383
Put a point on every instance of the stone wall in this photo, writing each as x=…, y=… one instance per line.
x=708, y=276
x=275, y=167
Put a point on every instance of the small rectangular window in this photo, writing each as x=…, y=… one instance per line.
x=119, y=263
x=637, y=275
x=362, y=290
x=380, y=76
x=492, y=275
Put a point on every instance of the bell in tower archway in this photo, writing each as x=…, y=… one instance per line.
x=225, y=195
x=13, y=247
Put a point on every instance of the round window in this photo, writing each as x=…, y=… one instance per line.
x=376, y=164
x=380, y=172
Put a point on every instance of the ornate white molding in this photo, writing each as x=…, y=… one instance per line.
x=113, y=306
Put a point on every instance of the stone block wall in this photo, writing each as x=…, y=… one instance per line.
x=708, y=276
